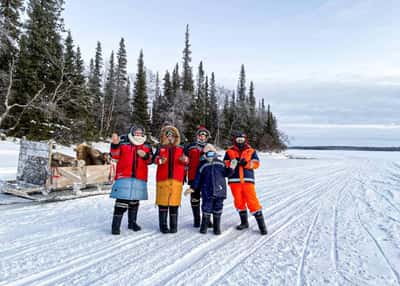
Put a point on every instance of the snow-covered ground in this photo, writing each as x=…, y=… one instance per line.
x=333, y=219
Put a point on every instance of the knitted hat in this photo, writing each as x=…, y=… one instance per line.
x=203, y=129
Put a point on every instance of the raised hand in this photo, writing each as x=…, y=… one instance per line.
x=141, y=153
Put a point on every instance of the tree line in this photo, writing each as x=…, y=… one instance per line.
x=47, y=91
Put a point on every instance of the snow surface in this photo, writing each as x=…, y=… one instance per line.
x=333, y=219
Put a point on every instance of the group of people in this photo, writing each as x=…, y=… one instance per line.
x=198, y=163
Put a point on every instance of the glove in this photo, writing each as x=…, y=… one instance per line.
x=183, y=159
x=243, y=162
x=141, y=153
x=162, y=160
x=233, y=164
x=188, y=191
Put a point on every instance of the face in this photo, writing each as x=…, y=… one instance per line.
x=202, y=136
x=138, y=132
x=170, y=137
x=240, y=140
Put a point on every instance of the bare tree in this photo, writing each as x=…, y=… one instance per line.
x=45, y=101
x=7, y=107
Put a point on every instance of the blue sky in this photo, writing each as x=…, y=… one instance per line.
x=305, y=57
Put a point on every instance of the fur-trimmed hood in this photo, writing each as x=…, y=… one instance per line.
x=163, y=137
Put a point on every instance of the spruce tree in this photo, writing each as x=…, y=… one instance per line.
x=242, y=112
x=95, y=86
x=200, y=104
x=252, y=116
x=80, y=67
x=109, y=96
x=159, y=108
x=226, y=124
x=87, y=124
x=187, y=76
x=10, y=25
x=122, y=112
x=214, y=124
x=40, y=65
x=69, y=57
x=140, y=112
x=176, y=81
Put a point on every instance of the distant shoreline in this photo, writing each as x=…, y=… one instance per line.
x=346, y=148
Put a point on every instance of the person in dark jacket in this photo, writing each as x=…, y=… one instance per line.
x=133, y=156
x=210, y=182
x=194, y=151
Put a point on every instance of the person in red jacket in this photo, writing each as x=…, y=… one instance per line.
x=130, y=186
x=171, y=162
x=194, y=151
x=242, y=181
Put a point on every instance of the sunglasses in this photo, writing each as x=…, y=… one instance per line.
x=240, y=140
x=203, y=133
x=170, y=133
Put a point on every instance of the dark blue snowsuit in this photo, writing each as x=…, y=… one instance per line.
x=210, y=180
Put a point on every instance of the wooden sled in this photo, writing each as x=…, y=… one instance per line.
x=44, y=175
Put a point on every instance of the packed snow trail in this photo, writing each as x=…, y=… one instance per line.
x=333, y=219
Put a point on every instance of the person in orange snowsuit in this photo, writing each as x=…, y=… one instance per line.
x=242, y=182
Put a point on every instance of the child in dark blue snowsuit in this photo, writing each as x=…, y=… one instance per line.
x=210, y=180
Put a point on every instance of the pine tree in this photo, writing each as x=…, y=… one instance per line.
x=140, y=111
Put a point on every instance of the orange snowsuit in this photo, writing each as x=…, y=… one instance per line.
x=242, y=181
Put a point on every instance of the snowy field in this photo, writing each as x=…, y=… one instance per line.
x=333, y=219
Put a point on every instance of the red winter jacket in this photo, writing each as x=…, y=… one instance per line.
x=130, y=164
x=173, y=168
x=193, y=151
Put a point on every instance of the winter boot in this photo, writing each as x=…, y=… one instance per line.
x=205, y=220
x=173, y=219
x=132, y=216
x=162, y=217
x=210, y=223
x=244, y=223
x=196, y=216
x=119, y=209
x=261, y=222
x=116, y=224
x=217, y=223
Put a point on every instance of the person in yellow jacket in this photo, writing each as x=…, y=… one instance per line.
x=242, y=182
x=171, y=162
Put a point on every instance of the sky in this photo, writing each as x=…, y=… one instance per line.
x=314, y=61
